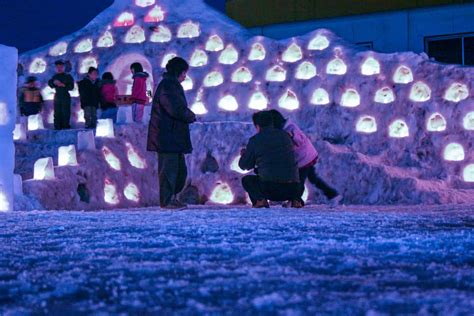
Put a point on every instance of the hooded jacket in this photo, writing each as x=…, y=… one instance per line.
x=108, y=94
x=168, y=131
x=139, y=88
x=305, y=151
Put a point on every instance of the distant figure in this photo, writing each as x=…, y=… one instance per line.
x=62, y=83
x=306, y=157
x=271, y=153
x=139, y=96
x=168, y=132
x=31, y=101
x=89, y=92
x=108, y=96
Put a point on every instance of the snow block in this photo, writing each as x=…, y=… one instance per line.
x=19, y=134
x=105, y=128
x=44, y=169
x=8, y=80
x=67, y=156
x=18, y=185
x=35, y=122
x=86, y=140
x=125, y=115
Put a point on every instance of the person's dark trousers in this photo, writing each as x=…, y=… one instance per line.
x=90, y=115
x=172, y=173
x=62, y=114
x=310, y=174
x=273, y=191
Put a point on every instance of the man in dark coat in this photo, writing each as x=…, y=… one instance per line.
x=168, y=132
x=271, y=153
x=63, y=83
x=89, y=92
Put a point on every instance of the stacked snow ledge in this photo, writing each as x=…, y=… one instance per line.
x=400, y=125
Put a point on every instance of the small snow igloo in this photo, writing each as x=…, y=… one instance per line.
x=376, y=119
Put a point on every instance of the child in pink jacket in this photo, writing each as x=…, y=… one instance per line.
x=139, y=95
x=306, y=157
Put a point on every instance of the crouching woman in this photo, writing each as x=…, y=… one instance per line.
x=168, y=132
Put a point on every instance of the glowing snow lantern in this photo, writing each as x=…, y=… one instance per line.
x=258, y=101
x=213, y=79
x=132, y=193
x=257, y=52
x=86, y=63
x=37, y=66
x=366, y=124
x=242, y=75
x=188, y=30
x=110, y=193
x=105, y=128
x=84, y=46
x=144, y=3
x=468, y=173
x=58, y=50
x=48, y=93
x=398, y=129
x=320, y=97
x=420, y=92
x=106, y=40
x=469, y=121
x=20, y=132
x=370, y=67
x=198, y=59
x=292, y=54
x=436, y=123
x=336, y=67
x=86, y=140
x=166, y=59
x=111, y=159
x=276, y=74
x=43, y=169
x=228, y=103
x=199, y=108
x=4, y=114
x=222, y=194
x=214, y=44
x=155, y=15
x=67, y=156
x=134, y=158
x=289, y=101
x=305, y=71
x=350, y=98
x=80, y=116
x=384, y=95
x=234, y=166
x=75, y=91
x=4, y=203
x=160, y=34
x=454, y=152
x=124, y=19
x=135, y=35
x=403, y=75
x=229, y=55
x=456, y=92
x=319, y=42
x=35, y=122
x=187, y=83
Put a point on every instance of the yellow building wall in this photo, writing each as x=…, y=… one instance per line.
x=263, y=12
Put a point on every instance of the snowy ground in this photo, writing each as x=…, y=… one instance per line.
x=353, y=260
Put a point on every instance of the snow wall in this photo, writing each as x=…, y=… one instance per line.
x=391, y=128
x=8, y=84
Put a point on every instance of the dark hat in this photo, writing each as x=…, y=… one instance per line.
x=59, y=62
x=31, y=79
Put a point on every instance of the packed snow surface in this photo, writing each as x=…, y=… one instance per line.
x=348, y=261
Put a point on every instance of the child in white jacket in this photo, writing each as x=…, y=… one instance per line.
x=306, y=157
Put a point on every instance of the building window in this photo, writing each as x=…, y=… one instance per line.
x=451, y=49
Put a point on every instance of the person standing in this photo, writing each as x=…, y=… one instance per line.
x=270, y=153
x=108, y=98
x=30, y=99
x=306, y=157
x=139, y=96
x=62, y=83
x=168, y=132
x=89, y=92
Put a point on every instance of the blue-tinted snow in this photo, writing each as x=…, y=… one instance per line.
x=239, y=261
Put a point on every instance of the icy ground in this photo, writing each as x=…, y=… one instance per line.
x=353, y=260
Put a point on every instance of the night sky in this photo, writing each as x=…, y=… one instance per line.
x=29, y=24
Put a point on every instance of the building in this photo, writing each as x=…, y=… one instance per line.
x=444, y=29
